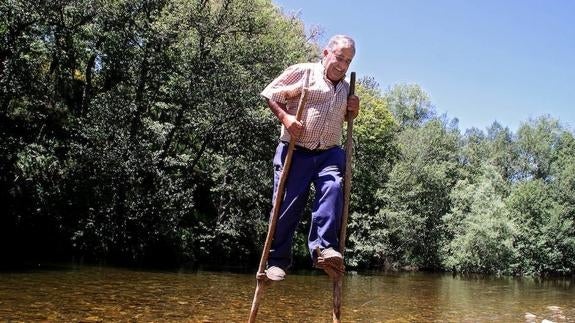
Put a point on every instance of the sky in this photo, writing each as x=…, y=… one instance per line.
x=480, y=61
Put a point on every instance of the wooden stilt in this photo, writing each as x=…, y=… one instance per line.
x=338, y=283
x=262, y=280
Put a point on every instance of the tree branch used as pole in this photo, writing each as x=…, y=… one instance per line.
x=261, y=277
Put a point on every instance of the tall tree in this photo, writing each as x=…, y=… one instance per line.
x=129, y=125
x=375, y=152
x=478, y=229
x=536, y=142
x=409, y=105
x=543, y=215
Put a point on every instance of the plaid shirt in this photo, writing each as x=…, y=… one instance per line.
x=325, y=108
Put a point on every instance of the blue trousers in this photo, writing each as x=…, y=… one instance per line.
x=325, y=170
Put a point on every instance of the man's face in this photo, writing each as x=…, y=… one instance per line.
x=337, y=61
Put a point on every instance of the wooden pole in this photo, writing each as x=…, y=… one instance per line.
x=338, y=283
x=262, y=280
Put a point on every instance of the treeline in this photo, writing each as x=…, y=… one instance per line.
x=132, y=132
x=429, y=197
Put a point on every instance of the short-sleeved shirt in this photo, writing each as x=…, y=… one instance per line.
x=325, y=108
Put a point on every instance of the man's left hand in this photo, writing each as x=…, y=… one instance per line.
x=352, y=106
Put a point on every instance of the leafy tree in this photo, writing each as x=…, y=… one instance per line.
x=375, y=152
x=474, y=152
x=409, y=105
x=129, y=126
x=417, y=194
x=478, y=229
x=544, y=239
x=132, y=132
x=536, y=142
x=403, y=227
x=538, y=203
x=502, y=153
x=563, y=172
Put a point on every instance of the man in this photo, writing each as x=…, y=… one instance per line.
x=318, y=157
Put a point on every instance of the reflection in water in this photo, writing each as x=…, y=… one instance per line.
x=108, y=294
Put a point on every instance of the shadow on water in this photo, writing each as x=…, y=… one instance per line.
x=103, y=294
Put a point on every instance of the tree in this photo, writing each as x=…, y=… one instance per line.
x=374, y=155
x=409, y=105
x=539, y=202
x=417, y=194
x=502, y=153
x=479, y=232
x=129, y=126
x=536, y=142
x=544, y=239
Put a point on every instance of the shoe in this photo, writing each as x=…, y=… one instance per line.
x=275, y=273
x=331, y=261
x=331, y=253
x=332, y=257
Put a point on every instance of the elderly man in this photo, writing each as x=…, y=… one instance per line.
x=318, y=157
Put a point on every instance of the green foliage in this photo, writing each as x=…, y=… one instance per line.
x=536, y=143
x=133, y=132
x=502, y=152
x=478, y=229
x=540, y=202
x=417, y=195
x=563, y=171
x=374, y=148
x=544, y=239
x=130, y=125
x=403, y=226
x=374, y=154
x=410, y=105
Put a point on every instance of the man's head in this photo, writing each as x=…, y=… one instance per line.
x=337, y=56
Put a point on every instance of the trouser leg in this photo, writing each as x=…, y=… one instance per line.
x=295, y=196
x=328, y=203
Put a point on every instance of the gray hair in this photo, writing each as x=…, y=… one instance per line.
x=343, y=40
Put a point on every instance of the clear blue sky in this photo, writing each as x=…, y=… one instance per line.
x=479, y=60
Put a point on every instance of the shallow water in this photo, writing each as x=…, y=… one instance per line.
x=103, y=294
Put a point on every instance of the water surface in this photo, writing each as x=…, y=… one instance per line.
x=103, y=294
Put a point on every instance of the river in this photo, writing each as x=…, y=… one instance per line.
x=104, y=294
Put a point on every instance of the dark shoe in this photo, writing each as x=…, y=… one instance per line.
x=331, y=261
x=275, y=273
x=332, y=258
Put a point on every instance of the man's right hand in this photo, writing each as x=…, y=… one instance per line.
x=293, y=126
